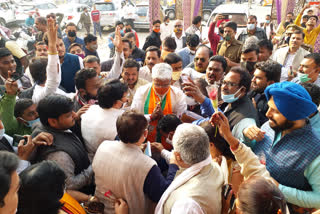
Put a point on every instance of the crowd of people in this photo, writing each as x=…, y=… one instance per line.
x=143, y=132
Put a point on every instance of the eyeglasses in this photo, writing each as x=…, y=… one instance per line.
x=201, y=59
x=178, y=26
x=230, y=84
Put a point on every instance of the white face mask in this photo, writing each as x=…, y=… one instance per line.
x=2, y=132
x=168, y=141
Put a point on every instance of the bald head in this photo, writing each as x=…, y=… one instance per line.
x=201, y=59
x=178, y=27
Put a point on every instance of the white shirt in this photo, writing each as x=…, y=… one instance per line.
x=97, y=125
x=52, y=82
x=178, y=100
x=165, y=30
x=286, y=67
x=145, y=73
x=186, y=206
x=179, y=42
x=117, y=66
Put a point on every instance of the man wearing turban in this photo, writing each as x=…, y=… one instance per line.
x=288, y=144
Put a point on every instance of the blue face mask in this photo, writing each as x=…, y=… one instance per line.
x=31, y=122
x=230, y=98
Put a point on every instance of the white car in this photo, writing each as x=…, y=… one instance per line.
x=236, y=13
x=72, y=13
x=45, y=8
x=109, y=13
x=7, y=13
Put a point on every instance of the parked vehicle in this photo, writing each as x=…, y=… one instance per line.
x=72, y=13
x=23, y=9
x=142, y=16
x=7, y=13
x=108, y=12
x=237, y=14
x=207, y=8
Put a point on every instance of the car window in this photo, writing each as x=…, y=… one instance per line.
x=142, y=11
x=105, y=7
x=51, y=6
x=4, y=6
x=240, y=19
x=26, y=7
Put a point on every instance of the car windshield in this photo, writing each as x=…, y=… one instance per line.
x=239, y=18
x=142, y=11
x=26, y=7
x=46, y=6
x=105, y=7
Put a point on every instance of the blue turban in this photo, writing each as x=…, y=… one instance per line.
x=291, y=99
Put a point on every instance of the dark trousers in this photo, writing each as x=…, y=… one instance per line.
x=87, y=27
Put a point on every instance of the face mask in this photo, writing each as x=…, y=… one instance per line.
x=192, y=52
x=267, y=21
x=251, y=26
x=160, y=91
x=128, y=30
x=72, y=34
x=29, y=123
x=168, y=141
x=230, y=98
x=176, y=75
x=156, y=30
x=81, y=55
x=94, y=47
x=227, y=37
x=248, y=65
x=176, y=30
x=221, y=30
x=164, y=54
x=303, y=77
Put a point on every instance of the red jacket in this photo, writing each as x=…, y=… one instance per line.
x=95, y=15
x=213, y=38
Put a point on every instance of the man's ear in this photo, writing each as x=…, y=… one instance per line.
x=53, y=122
x=178, y=158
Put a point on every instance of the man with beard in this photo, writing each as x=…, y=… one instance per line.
x=288, y=144
x=265, y=74
x=311, y=31
x=153, y=55
x=130, y=76
x=199, y=66
x=290, y=57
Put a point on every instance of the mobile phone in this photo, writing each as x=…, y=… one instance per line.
x=16, y=76
x=17, y=138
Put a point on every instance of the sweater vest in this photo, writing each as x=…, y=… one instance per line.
x=121, y=169
x=205, y=188
x=288, y=158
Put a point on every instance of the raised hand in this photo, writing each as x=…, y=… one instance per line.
x=52, y=35
x=11, y=86
x=117, y=41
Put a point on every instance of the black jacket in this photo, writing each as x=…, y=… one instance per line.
x=262, y=105
x=152, y=40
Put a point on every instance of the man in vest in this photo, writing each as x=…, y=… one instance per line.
x=70, y=64
x=159, y=98
x=57, y=117
x=198, y=184
x=289, y=145
x=116, y=160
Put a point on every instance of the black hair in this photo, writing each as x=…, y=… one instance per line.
x=290, y=13
x=118, y=23
x=265, y=43
x=165, y=18
x=231, y=25
x=193, y=40
x=219, y=142
x=315, y=57
x=42, y=186
x=245, y=77
x=305, y=17
x=71, y=24
x=196, y=20
x=38, y=69
x=131, y=63
x=299, y=32
x=91, y=59
x=51, y=15
x=127, y=41
x=314, y=91
x=253, y=17
x=314, y=16
x=156, y=22
x=172, y=58
x=4, y=52
x=168, y=123
x=170, y=43
x=111, y=92
x=271, y=69
x=42, y=20
x=53, y=106
x=74, y=45
x=154, y=48
x=130, y=126
x=127, y=24
x=220, y=59
x=21, y=105
x=129, y=35
x=89, y=38
x=82, y=76
x=8, y=165
x=40, y=43
x=250, y=48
